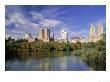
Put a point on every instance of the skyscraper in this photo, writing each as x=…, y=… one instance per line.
x=52, y=36
x=64, y=36
x=44, y=34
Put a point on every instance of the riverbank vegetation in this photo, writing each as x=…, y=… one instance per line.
x=94, y=54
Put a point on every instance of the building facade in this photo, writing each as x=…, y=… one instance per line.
x=52, y=36
x=78, y=39
x=28, y=37
x=95, y=36
x=63, y=36
x=44, y=34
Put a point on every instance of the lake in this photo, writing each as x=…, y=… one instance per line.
x=60, y=63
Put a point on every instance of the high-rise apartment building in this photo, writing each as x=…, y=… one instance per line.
x=95, y=36
x=44, y=34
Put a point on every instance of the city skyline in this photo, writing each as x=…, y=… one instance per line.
x=75, y=19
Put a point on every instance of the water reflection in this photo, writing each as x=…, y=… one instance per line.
x=61, y=63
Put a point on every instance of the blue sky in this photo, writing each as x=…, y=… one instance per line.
x=75, y=19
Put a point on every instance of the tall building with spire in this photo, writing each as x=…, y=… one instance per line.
x=100, y=29
x=92, y=30
x=92, y=34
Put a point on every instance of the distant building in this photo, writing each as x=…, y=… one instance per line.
x=52, y=36
x=82, y=40
x=44, y=34
x=28, y=37
x=63, y=36
x=77, y=39
x=100, y=29
x=95, y=36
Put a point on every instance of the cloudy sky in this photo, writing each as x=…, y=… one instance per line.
x=76, y=20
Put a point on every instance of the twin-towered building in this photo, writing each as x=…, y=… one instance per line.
x=95, y=35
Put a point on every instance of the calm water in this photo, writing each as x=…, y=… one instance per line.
x=64, y=63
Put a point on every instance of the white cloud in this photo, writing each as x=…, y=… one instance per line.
x=22, y=24
x=42, y=21
x=65, y=29
x=15, y=31
x=19, y=20
x=52, y=11
x=34, y=25
x=14, y=34
x=49, y=22
x=36, y=15
x=16, y=18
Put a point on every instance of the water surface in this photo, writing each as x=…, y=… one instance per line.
x=62, y=63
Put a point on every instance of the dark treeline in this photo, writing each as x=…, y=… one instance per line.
x=21, y=47
x=94, y=54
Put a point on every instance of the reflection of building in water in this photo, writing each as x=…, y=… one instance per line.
x=77, y=39
x=28, y=37
x=64, y=36
x=63, y=63
x=95, y=36
x=40, y=65
x=28, y=63
x=46, y=64
x=44, y=34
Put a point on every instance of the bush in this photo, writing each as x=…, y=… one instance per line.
x=77, y=52
x=94, y=58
